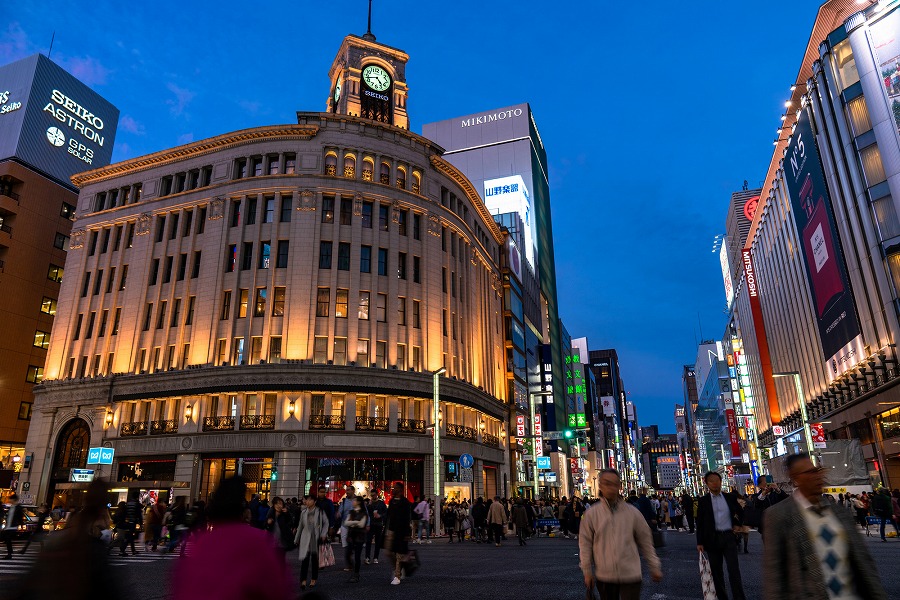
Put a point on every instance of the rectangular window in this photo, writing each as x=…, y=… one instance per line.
x=444, y=279
x=275, y=349
x=243, y=300
x=226, y=306
x=317, y=404
x=453, y=323
x=346, y=211
x=104, y=318
x=416, y=316
x=235, y=213
x=117, y=238
x=444, y=239
x=92, y=243
x=250, y=217
x=256, y=166
x=67, y=211
x=195, y=267
x=255, y=350
x=278, y=302
x=401, y=357
x=328, y=209
x=34, y=374
x=324, y=255
x=367, y=215
x=401, y=265
x=77, y=333
x=362, y=353
x=453, y=284
x=116, y=320
x=259, y=306
x=237, y=351
x=281, y=261
x=274, y=164
x=381, y=308
x=364, y=299
x=55, y=273
x=380, y=352
x=323, y=301
x=287, y=203
x=123, y=278
x=320, y=350
x=417, y=269
x=365, y=259
x=104, y=243
x=290, y=163
x=401, y=311
x=343, y=256
x=167, y=270
x=161, y=315
x=25, y=411
x=110, y=280
x=870, y=157
x=340, y=351
x=382, y=261
x=86, y=284
x=42, y=339
x=129, y=236
x=176, y=313
x=401, y=222
x=417, y=226
x=265, y=252
x=341, y=302
x=240, y=168
x=201, y=220
x=247, y=256
x=384, y=216
x=221, y=347
x=48, y=306
x=269, y=214
x=231, y=258
x=182, y=267
x=416, y=358
x=188, y=222
x=160, y=227
x=444, y=322
x=148, y=314
x=173, y=228
x=453, y=245
x=189, y=318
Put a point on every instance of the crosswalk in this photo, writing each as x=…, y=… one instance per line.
x=21, y=563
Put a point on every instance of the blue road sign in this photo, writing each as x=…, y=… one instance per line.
x=466, y=461
x=543, y=462
x=106, y=456
x=94, y=456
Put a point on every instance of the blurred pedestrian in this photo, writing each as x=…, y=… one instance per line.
x=496, y=520
x=312, y=532
x=39, y=534
x=397, y=530
x=15, y=516
x=613, y=536
x=520, y=521
x=356, y=522
x=231, y=561
x=813, y=551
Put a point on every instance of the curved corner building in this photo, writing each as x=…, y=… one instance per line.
x=272, y=302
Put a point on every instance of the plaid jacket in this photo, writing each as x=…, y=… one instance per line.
x=791, y=567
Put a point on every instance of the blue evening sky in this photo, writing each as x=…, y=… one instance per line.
x=652, y=114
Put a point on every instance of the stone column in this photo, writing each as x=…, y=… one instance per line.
x=392, y=406
x=291, y=467
x=478, y=486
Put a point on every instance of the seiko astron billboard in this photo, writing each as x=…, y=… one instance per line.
x=52, y=121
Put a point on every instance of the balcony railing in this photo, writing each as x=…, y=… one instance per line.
x=335, y=422
x=463, y=432
x=163, y=427
x=257, y=421
x=218, y=423
x=371, y=423
x=411, y=425
x=5, y=191
x=133, y=428
x=490, y=440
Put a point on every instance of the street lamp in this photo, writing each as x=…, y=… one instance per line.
x=437, y=445
x=800, y=395
x=534, y=440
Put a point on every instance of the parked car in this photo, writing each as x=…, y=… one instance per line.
x=29, y=525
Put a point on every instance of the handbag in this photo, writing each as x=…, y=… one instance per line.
x=326, y=555
x=707, y=585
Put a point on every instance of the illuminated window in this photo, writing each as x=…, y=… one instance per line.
x=320, y=350
x=278, y=302
x=323, y=301
x=242, y=303
x=259, y=306
x=858, y=114
x=340, y=351
x=845, y=64
x=48, y=306
x=265, y=251
x=381, y=308
x=362, y=353
x=41, y=339
x=340, y=303
x=275, y=349
x=55, y=273
x=364, y=298
x=35, y=374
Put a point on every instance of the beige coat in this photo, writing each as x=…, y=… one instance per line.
x=609, y=542
x=496, y=514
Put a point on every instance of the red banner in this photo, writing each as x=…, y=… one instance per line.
x=537, y=426
x=520, y=425
x=817, y=430
x=762, y=342
x=733, y=433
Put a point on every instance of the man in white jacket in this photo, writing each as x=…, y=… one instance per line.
x=612, y=535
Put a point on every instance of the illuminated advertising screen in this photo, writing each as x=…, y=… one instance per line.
x=826, y=270
x=886, y=41
x=52, y=121
x=726, y=274
x=509, y=195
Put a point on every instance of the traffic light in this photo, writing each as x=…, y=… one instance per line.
x=582, y=437
x=569, y=434
x=274, y=475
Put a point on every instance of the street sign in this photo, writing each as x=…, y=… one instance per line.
x=100, y=456
x=26, y=485
x=543, y=462
x=81, y=475
x=467, y=476
x=553, y=435
x=550, y=476
x=466, y=461
x=27, y=498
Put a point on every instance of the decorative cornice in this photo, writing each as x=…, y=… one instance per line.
x=200, y=148
x=453, y=173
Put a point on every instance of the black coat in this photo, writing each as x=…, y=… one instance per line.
x=706, y=520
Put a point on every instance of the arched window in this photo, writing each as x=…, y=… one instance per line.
x=385, y=175
x=416, y=182
x=401, y=178
x=71, y=448
x=350, y=166
x=331, y=164
x=368, y=170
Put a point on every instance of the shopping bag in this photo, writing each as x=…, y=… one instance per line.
x=326, y=555
x=706, y=579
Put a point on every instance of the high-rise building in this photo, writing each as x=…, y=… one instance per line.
x=51, y=126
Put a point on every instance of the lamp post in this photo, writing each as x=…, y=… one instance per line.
x=534, y=439
x=803, y=416
x=436, y=408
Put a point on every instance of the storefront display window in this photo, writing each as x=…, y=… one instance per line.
x=889, y=422
x=368, y=476
x=152, y=470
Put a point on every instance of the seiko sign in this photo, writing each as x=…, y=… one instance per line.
x=372, y=94
x=497, y=116
x=751, y=275
x=8, y=108
x=67, y=111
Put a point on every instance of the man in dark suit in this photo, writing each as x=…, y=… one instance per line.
x=14, y=518
x=813, y=551
x=718, y=515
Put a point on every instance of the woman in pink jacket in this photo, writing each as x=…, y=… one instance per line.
x=232, y=561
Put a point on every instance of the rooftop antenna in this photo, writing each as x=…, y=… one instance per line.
x=52, y=37
x=368, y=36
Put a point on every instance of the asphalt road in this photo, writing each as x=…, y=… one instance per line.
x=545, y=569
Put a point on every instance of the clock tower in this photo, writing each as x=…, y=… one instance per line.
x=368, y=80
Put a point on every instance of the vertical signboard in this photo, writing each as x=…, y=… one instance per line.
x=762, y=342
x=733, y=433
x=726, y=273
x=826, y=270
x=886, y=40
x=817, y=432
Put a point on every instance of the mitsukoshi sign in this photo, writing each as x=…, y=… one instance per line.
x=826, y=270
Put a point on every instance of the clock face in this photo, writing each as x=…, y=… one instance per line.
x=337, y=90
x=376, y=78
